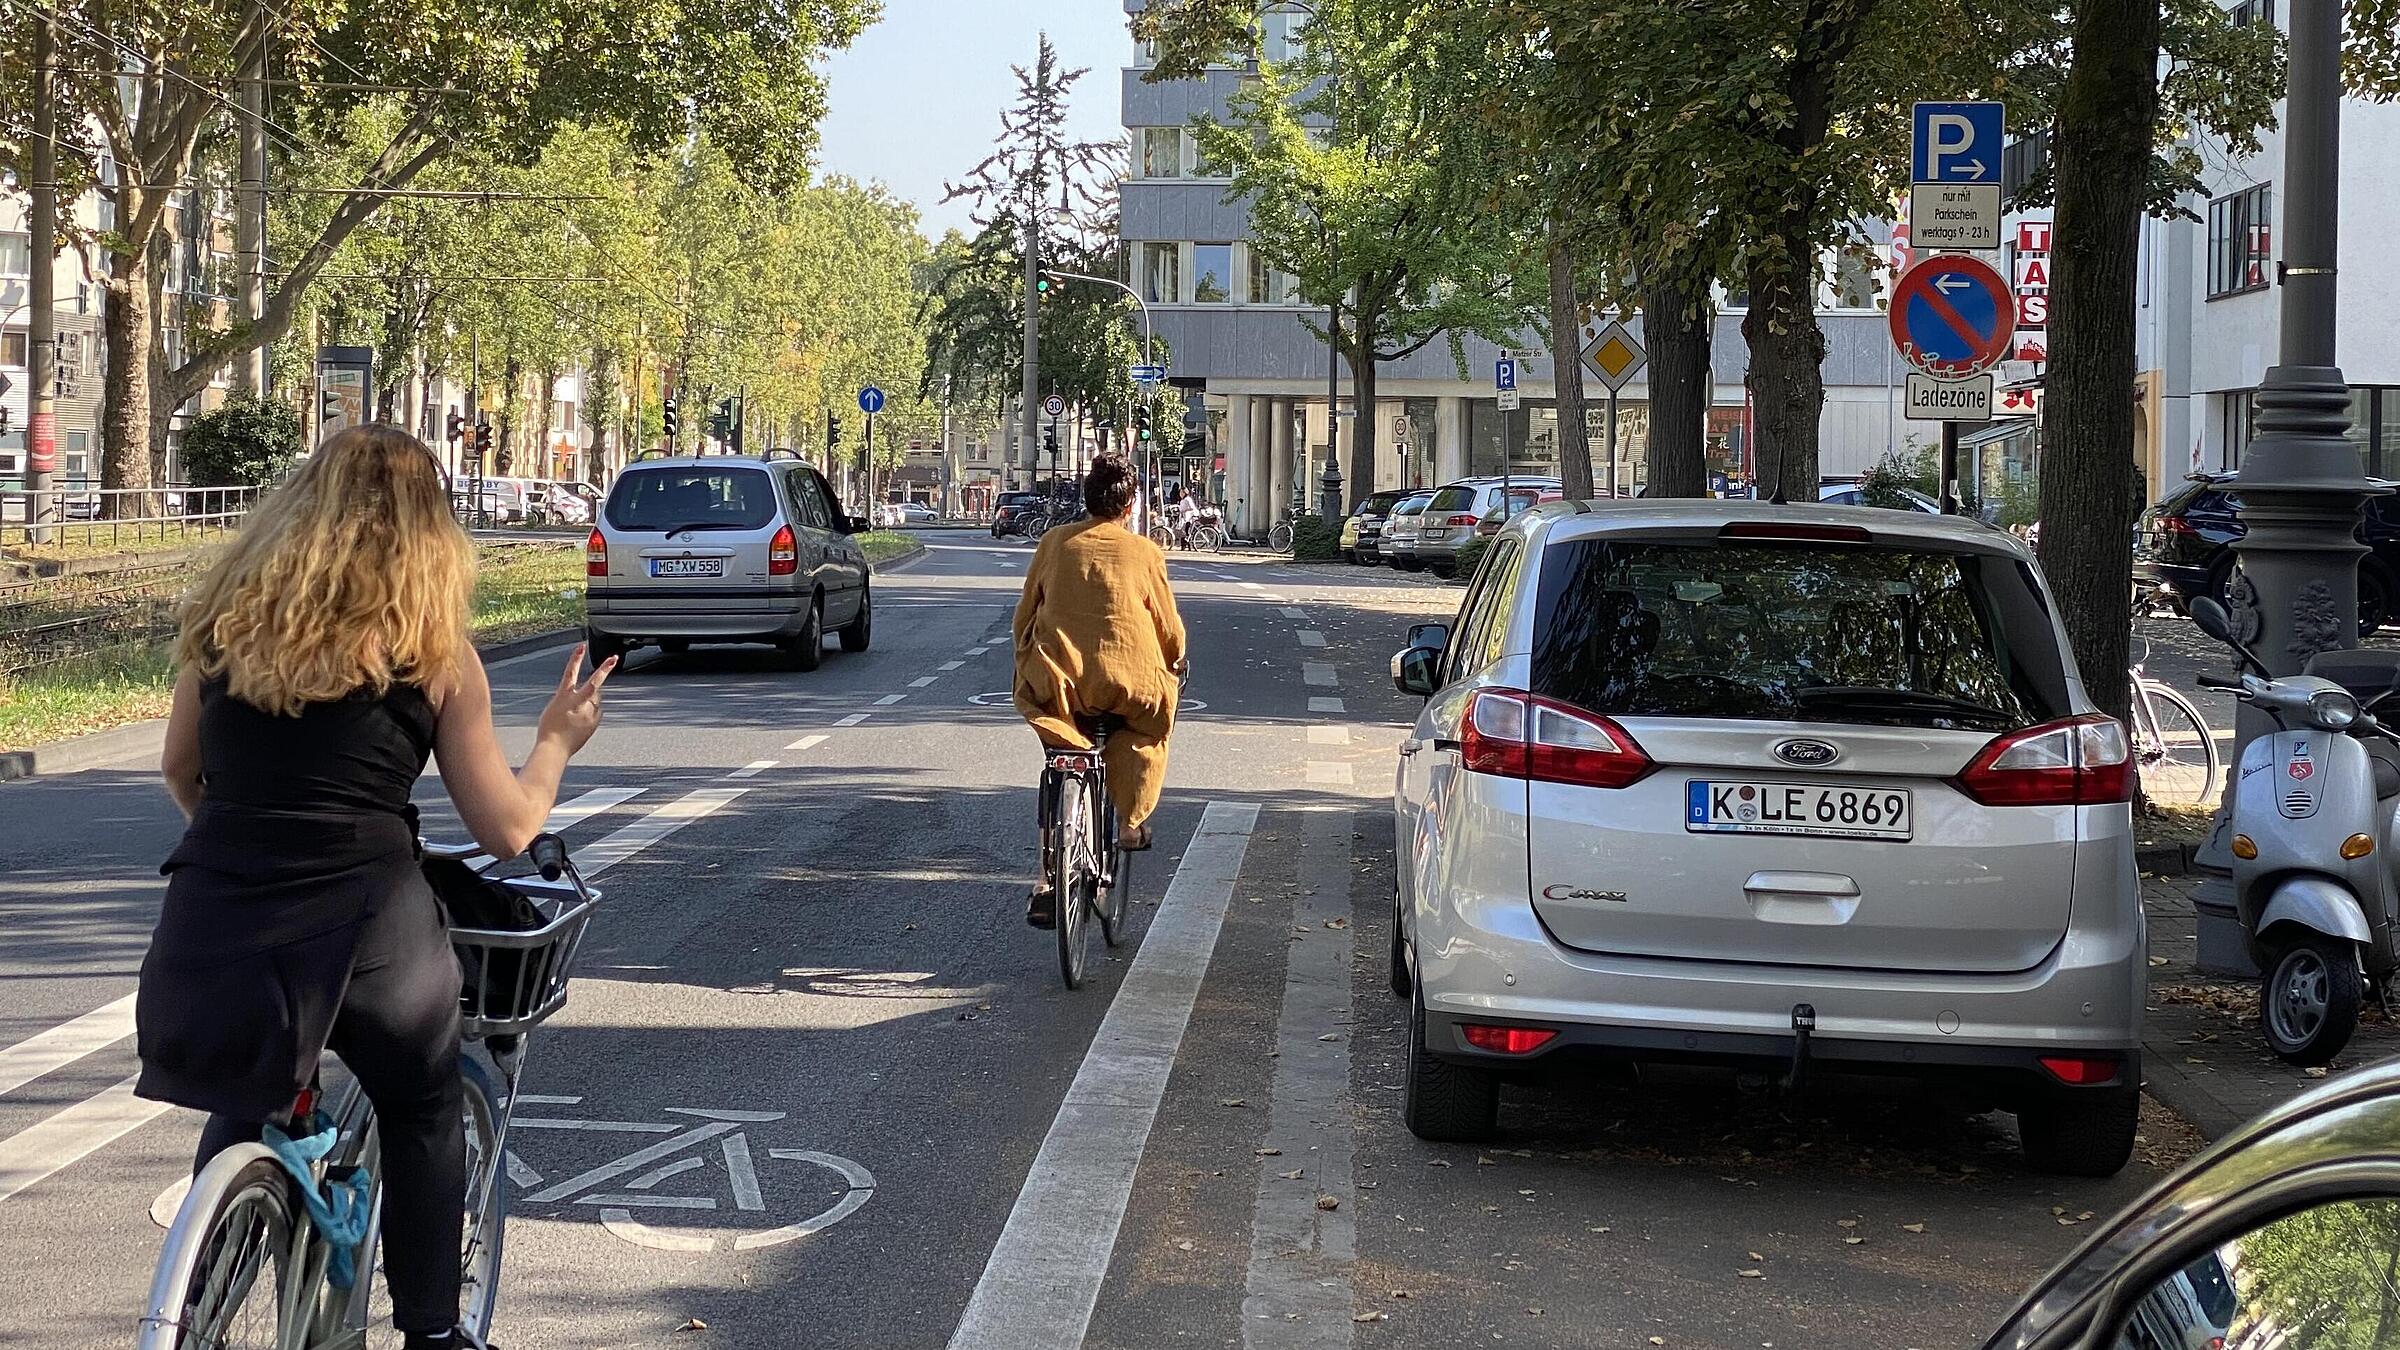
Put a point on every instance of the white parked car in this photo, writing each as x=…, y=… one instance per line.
x=1813, y=788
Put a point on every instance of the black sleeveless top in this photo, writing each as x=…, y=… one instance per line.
x=357, y=754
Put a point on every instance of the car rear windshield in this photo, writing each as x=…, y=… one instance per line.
x=1796, y=631
x=694, y=498
x=1456, y=497
x=1409, y=506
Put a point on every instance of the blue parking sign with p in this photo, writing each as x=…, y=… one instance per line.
x=1956, y=143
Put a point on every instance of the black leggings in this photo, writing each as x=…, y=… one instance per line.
x=398, y=1033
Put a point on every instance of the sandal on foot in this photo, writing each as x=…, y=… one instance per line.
x=1136, y=842
x=1039, y=911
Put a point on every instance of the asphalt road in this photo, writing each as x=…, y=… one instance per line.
x=872, y=1117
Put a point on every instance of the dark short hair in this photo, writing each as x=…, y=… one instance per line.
x=1109, y=488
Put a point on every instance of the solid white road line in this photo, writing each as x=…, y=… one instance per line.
x=65, y=1043
x=1329, y=735
x=1310, y=637
x=42, y=1149
x=809, y=742
x=889, y=699
x=1252, y=586
x=598, y=857
x=1313, y=672
x=920, y=682
x=1298, y=1287
x=852, y=720
x=753, y=769
x=568, y=814
x=1044, y=1275
x=1320, y=703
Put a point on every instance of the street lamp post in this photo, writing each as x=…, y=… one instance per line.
x=1146, y=470
x=2301, y=484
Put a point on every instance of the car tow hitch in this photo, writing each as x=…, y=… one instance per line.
x=1804, y=1021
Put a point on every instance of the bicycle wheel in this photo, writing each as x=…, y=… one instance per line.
x=1208, y=539
x=1111, y=903
x=1280, y=538
x=225, y=1277
x=2177, y=755
x=1071, y=875
x=1162, y=536
x=486, y=1200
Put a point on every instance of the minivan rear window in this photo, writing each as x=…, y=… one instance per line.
x=1879, y=635
x=698, y=497
x=1453, y=498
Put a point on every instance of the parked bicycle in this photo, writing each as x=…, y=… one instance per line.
x=2173, y=748
x=247, y=1261
x=1279, y=539
x=1088, y=873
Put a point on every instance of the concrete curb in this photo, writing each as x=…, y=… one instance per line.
x=142, y=740
x=2167, y=1078
x=913, y=556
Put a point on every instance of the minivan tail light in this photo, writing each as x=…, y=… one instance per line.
x=595, y=555
x=2081, y=761
x=783, y=553
x=1462, y=519
x=1506, y=1040
x=1513, y=734
x=2080, y=1071
x=1796, y=532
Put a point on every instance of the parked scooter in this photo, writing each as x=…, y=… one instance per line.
x=2314, y=848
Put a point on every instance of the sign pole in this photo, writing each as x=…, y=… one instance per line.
x=1949, y=492
x=1612, y=441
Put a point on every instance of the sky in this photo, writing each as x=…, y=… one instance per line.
x=916, y=100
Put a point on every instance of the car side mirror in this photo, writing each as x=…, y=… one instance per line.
x=1414, y=670
x=854, y=525
x=1434, y=635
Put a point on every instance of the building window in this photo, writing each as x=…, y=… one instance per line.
x=1162, y=273
x=14, y=348
x=2236, y=429
x=1856, y=277
x=2240, y=239
x=2253, y=11
x=1161, y=152
x=1212, y=273
x=16, y=254
x=2021, y=161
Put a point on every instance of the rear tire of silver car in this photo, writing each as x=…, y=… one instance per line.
x=807, y=650
x=857, y=633
x=2308, y=1006
x=1447, y=1103
x=599, y=647
x=2083, y=1133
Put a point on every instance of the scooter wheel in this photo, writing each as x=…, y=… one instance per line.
x=2309, y=1005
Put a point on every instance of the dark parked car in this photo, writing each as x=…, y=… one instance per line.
x=1365, y=526
x=2183, y=546
x=1007, y=509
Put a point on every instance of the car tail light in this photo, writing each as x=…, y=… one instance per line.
x=595, y=555
x=783, y=553
x=2177, y=525
x=1513, y=734
x=2082, y=761
x=2080, y=1072
x=1796, y=532
x=1462, y=519
x=1506, y=1040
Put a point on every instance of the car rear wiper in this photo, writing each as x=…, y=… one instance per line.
x=701, y=525
x=1867, y=696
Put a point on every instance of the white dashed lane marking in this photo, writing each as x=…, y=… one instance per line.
x=752, y=769
x=1330, y=773
x=1329, y=735
x=1290, y=612
x=950, y=665
x=889, y=699
x=1323, y=704
x=1310, y=637
x=809, y=742
x=920, y=682
x=1318, y=673
x=852, y=720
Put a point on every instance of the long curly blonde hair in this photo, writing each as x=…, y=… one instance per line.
x=352, y=576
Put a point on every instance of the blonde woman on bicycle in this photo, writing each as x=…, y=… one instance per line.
x=324, y=659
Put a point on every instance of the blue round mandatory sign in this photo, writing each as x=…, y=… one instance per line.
x=870, y=400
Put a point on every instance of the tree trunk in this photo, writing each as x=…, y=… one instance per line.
x=2088, y=474
x=543, y=467
x=129, y=332
x=512, y=398
x=1677, y=327
x=1566, y=342
x=1362, y=402
x=1787, y=360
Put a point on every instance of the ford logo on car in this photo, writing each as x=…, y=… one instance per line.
x=1807, y=754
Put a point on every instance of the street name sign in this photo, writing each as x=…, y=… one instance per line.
x=1952, y=316
x=1933, y=400
x=1614, y=355
x=870, y=400
x=1954, y=175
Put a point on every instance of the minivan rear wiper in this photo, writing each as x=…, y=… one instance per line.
x=1874, y=697
x=701, y=525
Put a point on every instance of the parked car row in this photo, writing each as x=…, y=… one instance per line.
x=528, y=501
x=2183, y=547
x=1423, y=530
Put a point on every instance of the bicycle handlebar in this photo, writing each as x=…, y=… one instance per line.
x=549, y=854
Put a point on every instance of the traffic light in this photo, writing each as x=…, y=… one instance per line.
x=1050, y=441
x=457, y=427
x=720, y=422
x=670, y=419
x=1041, y=289
x=1141, y=423
x=483, y=437
x=329, y=407
x=833, y=430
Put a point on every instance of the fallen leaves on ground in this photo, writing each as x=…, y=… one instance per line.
x=1329, y=1203
x=1913, y=1227
x=693, y=1324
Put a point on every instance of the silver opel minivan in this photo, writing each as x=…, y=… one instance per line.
x=1802, y=788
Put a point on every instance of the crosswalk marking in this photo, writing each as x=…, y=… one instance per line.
x=65, y=1043
x=39, y=1150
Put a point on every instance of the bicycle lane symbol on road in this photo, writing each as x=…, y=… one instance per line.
x=705, y=1140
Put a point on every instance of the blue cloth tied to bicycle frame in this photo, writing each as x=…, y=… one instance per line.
x=340, y=1207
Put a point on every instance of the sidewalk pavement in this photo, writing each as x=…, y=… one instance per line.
x=2201, y=1052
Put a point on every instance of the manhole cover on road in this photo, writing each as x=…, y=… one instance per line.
x=1004, y=699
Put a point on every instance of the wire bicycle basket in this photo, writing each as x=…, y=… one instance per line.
x=515, y=979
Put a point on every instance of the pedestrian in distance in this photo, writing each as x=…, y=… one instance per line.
x=325, y=658
x=1097, y=633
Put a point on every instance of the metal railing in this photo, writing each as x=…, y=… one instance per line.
x=86, y=517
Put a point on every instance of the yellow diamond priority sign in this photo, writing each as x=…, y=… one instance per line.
x=1614, y=355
